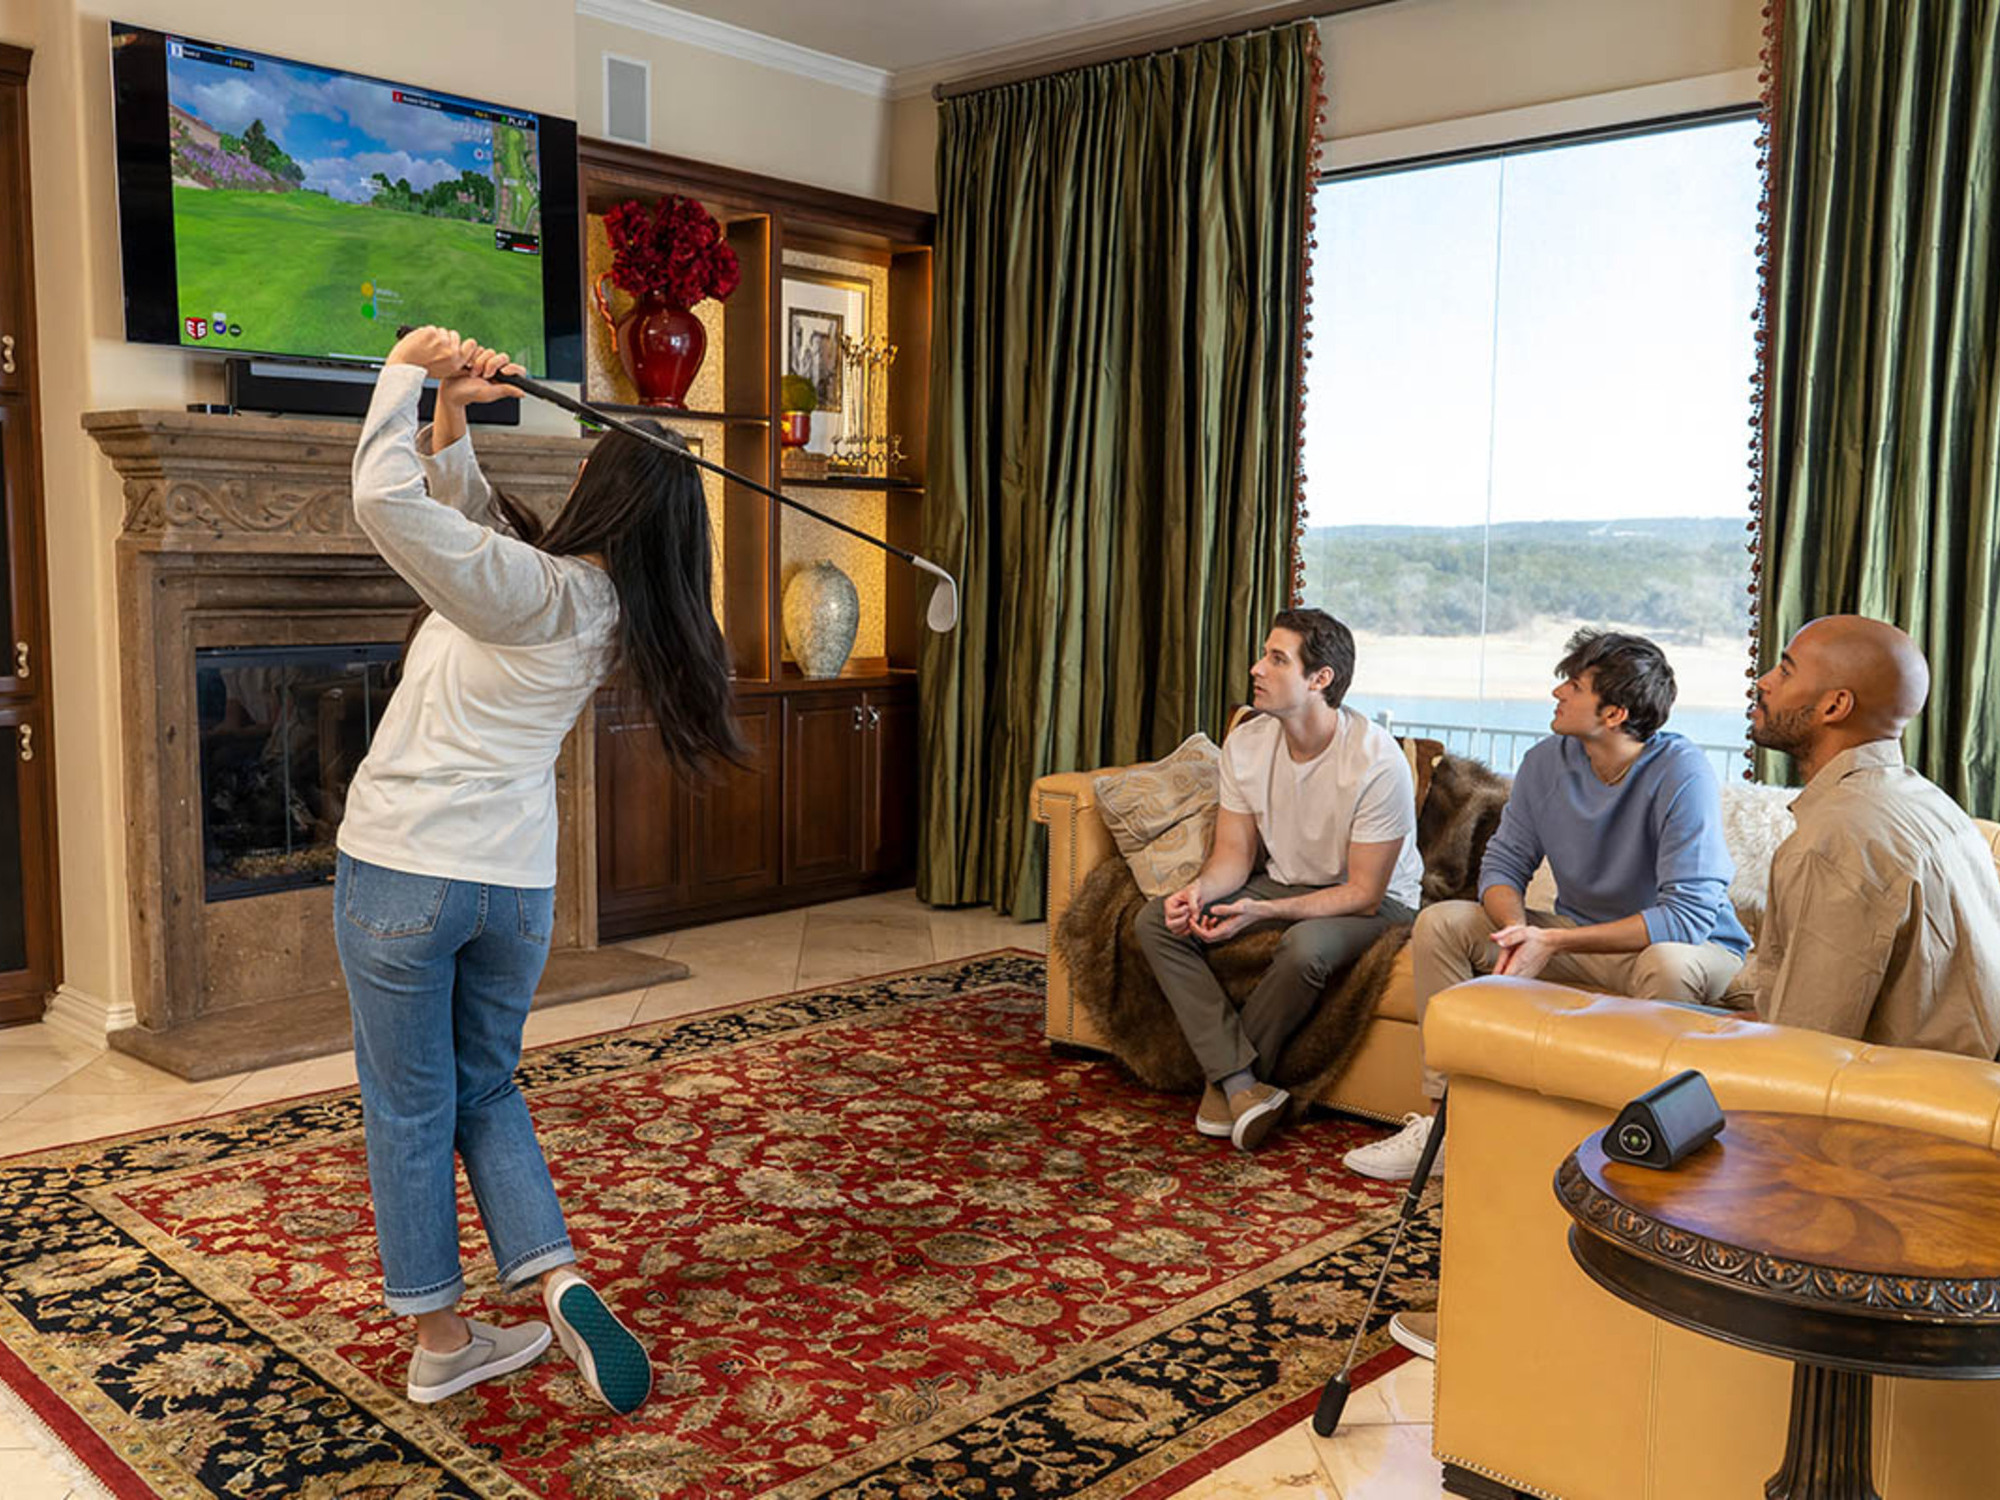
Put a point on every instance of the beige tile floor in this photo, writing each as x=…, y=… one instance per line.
x=54, y=1089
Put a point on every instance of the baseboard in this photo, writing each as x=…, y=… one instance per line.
x=86, y=1017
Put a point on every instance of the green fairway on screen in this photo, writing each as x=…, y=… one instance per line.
x=316, y=211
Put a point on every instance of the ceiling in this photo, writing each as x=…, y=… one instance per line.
x=920, y=42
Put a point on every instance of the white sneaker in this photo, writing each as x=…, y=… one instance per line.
x=1416, y=1332
x=1395, y=1160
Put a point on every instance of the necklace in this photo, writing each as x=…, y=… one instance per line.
x=1623, y=771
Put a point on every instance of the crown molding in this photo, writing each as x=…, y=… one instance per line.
x=734, y=41
x=1056, y=46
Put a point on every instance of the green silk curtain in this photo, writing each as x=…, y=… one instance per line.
x=1882, y=437
x=1113, y=449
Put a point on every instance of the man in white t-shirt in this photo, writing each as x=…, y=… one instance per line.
x=1329, y=796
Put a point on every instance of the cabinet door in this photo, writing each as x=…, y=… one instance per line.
x=825, y=738
x=642, y=823
x=737, y=817
x=16, y=369
x=892, y=782
x=27, y=827
x=23, y=663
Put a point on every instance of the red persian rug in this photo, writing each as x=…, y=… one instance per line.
x=881, y=1243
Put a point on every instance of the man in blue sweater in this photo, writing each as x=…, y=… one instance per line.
x=1629, y=818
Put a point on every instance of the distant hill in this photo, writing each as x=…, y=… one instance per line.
x=1680, y=579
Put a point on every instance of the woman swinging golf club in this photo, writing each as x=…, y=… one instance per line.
x=444, y=896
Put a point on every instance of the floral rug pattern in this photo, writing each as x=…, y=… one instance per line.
x=881, y=1243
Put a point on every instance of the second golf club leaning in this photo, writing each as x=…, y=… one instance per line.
x=1333, y=1400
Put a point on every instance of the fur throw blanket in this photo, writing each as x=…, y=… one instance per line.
x=1113, y=983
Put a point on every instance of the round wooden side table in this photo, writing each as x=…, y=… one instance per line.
x=1851, y=1249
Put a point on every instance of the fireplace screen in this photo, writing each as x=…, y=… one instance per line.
x=283, y=730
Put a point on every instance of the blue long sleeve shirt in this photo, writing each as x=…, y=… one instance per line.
x=1651, y=845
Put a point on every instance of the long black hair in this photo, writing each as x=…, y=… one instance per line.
x=643, y=511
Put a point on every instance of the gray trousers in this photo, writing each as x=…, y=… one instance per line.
x=1312, y=953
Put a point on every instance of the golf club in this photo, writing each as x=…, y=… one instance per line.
x=942, y=614
x=1333, y=1400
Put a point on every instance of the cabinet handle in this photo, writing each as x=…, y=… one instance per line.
x=21, y=659
x=6, y=354
x=27, y=742
x=874, y=717
x=858, y=719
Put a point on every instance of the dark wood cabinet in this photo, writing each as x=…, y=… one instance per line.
x=642, y=849
x=826, y=809
x=665, y=846
x=825, y=753
x=30, y=943
x=736, y=818
x=890, y=783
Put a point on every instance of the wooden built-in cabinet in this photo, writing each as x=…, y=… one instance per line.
x=849, y=809
x=828, y=805
x=30, y=951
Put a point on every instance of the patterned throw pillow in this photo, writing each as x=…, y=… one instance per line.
x=1162, y=815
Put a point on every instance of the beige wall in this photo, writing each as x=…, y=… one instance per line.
x=86, y=364
x=913, y=152
x=721, y=109
x=1420, y=62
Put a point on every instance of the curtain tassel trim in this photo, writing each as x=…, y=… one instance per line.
x=1770, y=65
x=1315, y=117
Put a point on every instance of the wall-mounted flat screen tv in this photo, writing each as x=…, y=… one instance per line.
x=278, y=208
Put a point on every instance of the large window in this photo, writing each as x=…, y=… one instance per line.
x=1528, y=398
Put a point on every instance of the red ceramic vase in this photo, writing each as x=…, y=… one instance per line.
x=794, y=429
x=661, y=346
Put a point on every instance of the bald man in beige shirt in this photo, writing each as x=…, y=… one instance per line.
x=1884, y=914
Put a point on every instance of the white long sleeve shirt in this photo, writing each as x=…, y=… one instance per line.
x=459, y=781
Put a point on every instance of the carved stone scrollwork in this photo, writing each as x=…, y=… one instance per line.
x=144, y=510
x=256, y=507
x=283, y=484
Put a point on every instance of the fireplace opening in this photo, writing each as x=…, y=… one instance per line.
x=283, y=729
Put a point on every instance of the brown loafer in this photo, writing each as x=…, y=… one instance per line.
x=1213, y=1117
x=1256, y=1109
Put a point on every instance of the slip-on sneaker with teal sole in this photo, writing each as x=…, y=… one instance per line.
x=611, y=1361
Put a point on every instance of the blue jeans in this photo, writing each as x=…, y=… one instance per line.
x=439, y=977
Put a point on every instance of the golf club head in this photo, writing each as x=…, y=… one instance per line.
x=942, y=615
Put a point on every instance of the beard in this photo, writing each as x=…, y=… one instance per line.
x=1789, y=734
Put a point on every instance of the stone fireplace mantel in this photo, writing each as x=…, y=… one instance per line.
x=240, y=531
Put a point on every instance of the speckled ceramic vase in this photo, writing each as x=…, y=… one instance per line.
x=822, y=612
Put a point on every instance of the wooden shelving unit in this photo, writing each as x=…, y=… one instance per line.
x=828, y=809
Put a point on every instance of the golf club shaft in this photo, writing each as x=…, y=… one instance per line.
x=1367, y=1316
x=1419, y=1180
x=570, y=403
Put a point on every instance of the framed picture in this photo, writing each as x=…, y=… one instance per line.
x=820, y=310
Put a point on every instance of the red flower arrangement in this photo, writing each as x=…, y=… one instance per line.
x=674, y=248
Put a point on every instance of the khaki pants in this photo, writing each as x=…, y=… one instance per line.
x=1312, y=953
x=1454, y=941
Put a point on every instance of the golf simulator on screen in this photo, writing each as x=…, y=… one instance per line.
x=314, y=211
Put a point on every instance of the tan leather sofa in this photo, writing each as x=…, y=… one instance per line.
x=1551, y=1386
x=1385, y=1081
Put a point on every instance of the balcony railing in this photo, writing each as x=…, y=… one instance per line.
x=1502, y=749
